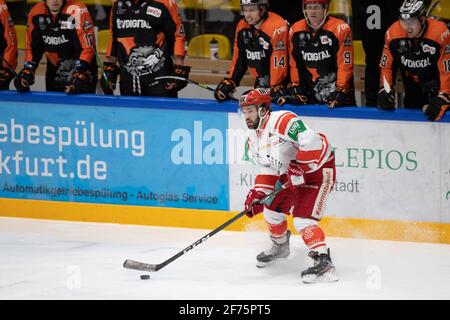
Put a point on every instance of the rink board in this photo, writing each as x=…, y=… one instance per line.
x=179, y=163
x=208, y=219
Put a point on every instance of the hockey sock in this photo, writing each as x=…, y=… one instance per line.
x=314, y=239
x=278, y=231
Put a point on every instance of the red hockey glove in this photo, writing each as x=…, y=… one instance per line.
x=252, y=205
x=294, y=176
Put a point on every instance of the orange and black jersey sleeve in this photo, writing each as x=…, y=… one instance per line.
x=66, y=36
x=144, y=24
x=180, y=38
x=320, y=58
x=8, y=40
x=426, y=60
x=264, y=52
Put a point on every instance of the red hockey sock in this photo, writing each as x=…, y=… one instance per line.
x=278, y=231
x=314, y=239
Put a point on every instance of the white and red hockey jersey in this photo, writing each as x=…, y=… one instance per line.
x=285, y=137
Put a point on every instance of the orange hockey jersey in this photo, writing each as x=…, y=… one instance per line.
x=323, y=60
x=8, y=39
x=264, y=52
x=425, y=60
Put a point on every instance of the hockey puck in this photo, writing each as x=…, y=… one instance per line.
x=145, y=277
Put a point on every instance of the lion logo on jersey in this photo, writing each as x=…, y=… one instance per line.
x=145, y=60
x=63, y=74
x=325, y=86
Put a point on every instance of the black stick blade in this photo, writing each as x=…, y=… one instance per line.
x=136, y=265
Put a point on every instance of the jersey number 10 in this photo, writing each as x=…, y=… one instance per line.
x=447, y=65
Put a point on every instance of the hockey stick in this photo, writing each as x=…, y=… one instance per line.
x=136, y=265
x=184, y=79
x=431, y=8
x=100, y=65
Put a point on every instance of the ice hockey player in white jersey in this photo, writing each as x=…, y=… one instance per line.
x=289, y=154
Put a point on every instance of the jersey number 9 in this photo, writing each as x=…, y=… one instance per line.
x=347, y=57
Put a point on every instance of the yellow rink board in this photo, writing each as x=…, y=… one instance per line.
x=209, y=219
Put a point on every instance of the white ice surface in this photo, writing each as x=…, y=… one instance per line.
x=41, y=259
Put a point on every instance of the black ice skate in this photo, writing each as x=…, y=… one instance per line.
x=322, y=271
x=278, y=250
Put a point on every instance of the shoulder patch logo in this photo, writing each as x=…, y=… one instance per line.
x=447, y=48
x=296, y=128
x=326, y=40
x=348, y=42
x=430, y=49
x=264, y=43
x=155, y=12
x=280, y=46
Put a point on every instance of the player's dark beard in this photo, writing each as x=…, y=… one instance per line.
x=253, y=125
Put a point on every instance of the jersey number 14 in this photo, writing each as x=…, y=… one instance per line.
x=279, y=63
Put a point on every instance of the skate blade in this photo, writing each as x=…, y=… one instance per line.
x=329, y=276
x=261, y=265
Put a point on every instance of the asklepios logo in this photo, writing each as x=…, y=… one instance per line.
x=384, y=159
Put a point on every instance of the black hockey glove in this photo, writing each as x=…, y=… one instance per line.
x=437, y=107
x=386, y=101
x=109, y=77
x=224, y=90
x=278, y=92
x=340, y=97
x=5, y=78
x=81, y=79
x=25, y=78
x=296, y=95
x=182, y=72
